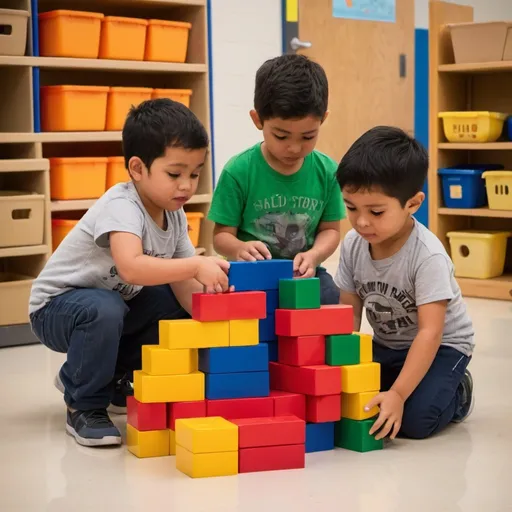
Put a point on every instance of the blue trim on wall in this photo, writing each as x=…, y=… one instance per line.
x=36, y=99
x=284, y=43
x=35, y=28
x=210, y=80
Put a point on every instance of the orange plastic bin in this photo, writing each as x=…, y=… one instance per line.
x=123, y=38
x=180, y=95
x=70, y=34
x=73, y=108
x=120, y=100
x=167, y=41
x=116, y=171
x=77, y=178
x=194, y=226
x=60, y=229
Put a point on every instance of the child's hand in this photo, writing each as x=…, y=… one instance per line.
x=252, y=251
x=304, y=265
x=391, y=412
x=212, y=274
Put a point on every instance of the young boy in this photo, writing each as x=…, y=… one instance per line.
x=400, y=272
x=103, y=291
x=279, y=198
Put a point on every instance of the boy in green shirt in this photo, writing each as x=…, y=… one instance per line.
x=280, y=198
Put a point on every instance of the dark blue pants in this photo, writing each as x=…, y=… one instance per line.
x=436, y=400
x=329, y=292
x=102, y=336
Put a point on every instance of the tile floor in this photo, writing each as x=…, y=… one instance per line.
x=466, y=468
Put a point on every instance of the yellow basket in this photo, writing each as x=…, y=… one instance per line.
x=472, y=126
x=478, y=254
x=499, y=189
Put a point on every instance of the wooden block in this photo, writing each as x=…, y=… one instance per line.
x=207, y=435
x=355, y=435
x=323, y=409
x=180, y=410
x=301, y=350
x=366, y=347
x=259, y=275
x=299, y=293
x=214, y=307
x=352, y=405
x=241, y=408
x=146, y=416
x=359, y=378
x=289, y=404
x=152, y=443
x=333, y=319
x=319, y=437
x=257, y=432
x=234, y=359
x=168, y=388
x=162, y=361
x=174, y=334
x=237, y=385
x=243, y=332
x=342, y=349
x=201, y=465
x=308, y=380
x=272, y=458
x=172, y=442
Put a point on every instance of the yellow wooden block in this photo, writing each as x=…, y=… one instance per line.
x=358, y=378
x=207, y=435
x=168, y=388
x=162, y=361
x=175, y=334
x=243, y=332
x=366, y=348
x=152, y=443
x=172, y=442
x=200, y=465
x=352, y=405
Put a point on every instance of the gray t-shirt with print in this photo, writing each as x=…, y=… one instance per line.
x=391, y=289
x=84, y=260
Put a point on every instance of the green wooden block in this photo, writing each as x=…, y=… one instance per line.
x=342, y=350
x=355, y=435
x=299, y=293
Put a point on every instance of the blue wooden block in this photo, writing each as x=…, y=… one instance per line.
x=259, y=275
x=267, y=329
x=272, y=301
x=272, y=350
x=237, y=385
x=234, y=359
x=319, y=437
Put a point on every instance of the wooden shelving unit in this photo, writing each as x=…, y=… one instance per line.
x=454, y=87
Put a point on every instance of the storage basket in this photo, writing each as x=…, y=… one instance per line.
x=123, y=38
x=499, y=189
x=473, y=126
x=13, y=32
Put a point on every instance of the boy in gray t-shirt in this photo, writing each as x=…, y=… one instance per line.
x=126, y=265
x=401, y=274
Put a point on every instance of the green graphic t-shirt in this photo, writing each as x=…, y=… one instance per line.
x=282, y=211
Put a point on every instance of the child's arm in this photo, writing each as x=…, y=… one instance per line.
x=227, y=244
x=351, y=299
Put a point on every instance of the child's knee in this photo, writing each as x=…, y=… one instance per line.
x=418, y=424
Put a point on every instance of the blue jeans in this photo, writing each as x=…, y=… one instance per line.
x=102, y=336
x=329, y=292
x=436, y=400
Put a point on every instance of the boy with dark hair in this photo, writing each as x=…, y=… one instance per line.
x=400, y=272
x=279, y=198
x=103, y=291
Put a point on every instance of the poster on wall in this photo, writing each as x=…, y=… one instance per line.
x=368, y=10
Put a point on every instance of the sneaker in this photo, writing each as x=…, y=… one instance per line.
x=92, y=428
x=467, y=402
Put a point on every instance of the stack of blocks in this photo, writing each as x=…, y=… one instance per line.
x=213, y=394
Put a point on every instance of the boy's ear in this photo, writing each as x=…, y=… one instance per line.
x=256, y=119
x=413, y=205
x=326, y=115
x=136, y=168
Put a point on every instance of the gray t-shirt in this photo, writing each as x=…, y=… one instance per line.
x=84, y=260
x=391, y=289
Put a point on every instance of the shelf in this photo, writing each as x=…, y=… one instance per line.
x=12, y=138
x=476, y=212
x=498, y=288
x=29, y=250
x=103, y=64
x=24, y=165
x=474, y=146
x=200, y=250
x=477, y=67
x=200, y=199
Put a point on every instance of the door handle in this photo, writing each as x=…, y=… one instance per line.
x=296, y=44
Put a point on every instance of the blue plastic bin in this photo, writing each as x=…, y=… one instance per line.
x=509, y=128
x=463, y=185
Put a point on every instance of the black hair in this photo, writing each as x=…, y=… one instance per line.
x=385, y=158
x=290, y=86
x=155, y=125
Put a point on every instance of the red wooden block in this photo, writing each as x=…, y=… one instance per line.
x=301, y=350
x=271, y=458
x=145, y=416
x=308, y=380
x=241, y=407
x=334, y=319
x=213, y=307
x=289, y=404
x=180, y=410
x=258, y=432
x=323, y=409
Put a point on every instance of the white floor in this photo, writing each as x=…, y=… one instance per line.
x=466, y=468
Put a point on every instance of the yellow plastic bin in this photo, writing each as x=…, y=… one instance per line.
x=73, y=108
x=60, y=229
x=77, y=178
x=194, y=226
x=116, y=171
x=179, y=95
x=70, y=34
x=167, y=41
x=478, y=254
x=13, y=31
x=123, y=38
x=499, y=189
x=120, y=100
x=473, y=126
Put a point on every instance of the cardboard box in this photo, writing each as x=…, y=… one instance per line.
x=14, y=295
x=507, y=53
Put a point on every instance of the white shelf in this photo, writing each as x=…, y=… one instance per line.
x=24, y=165
x=478, y=67
x=478, y=146
x=11, y=138
x=29, y=250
